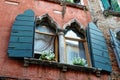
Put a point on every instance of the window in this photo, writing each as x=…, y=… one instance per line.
x=74, y=46
x=75, y=1
x=111, y=7
x=45, y=40
x=115, y=5
x=72, y=3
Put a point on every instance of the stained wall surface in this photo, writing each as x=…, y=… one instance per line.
x=14, y=68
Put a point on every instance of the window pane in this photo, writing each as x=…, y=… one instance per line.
x=43, y=28
x=74, y=49
x=43, y=43
x=71, y=34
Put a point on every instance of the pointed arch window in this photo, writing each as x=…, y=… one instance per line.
x=74, y=46
x=45, y=40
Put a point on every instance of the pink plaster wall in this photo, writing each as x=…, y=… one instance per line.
x=14, y=68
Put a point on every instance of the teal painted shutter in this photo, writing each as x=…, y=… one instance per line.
x=106, y=4
x=116, y=46
x=115, y=5
x=98, y=48
x=21, y=39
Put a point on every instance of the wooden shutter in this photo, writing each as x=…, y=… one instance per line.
x=98, y=48
x=116, y=46
x=115, y=5
x=106, y=4
x=21, y=39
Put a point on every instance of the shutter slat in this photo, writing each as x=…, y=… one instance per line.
x=25, y=18
x=19, y=53
x=99, y=52
x=24, y=23
x=25, y=39
x=98, y=48
x=24, y=28
x=20, y=46
x=100, y=65
x=96, y=41
x=21, y=33
x=116, y=46
x=22, y=36
x=96, y=32
x=21, y=39
x=94, y=36
x=101, y=59
x=106, y=4
x=14, y=39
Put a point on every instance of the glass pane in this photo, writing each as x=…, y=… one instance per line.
x=44, y=29
x=71, y=34
x=74, y=49
x=43, y=43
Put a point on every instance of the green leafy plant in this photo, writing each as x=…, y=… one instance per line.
x=79, y=61
x=70, y=1
x=48, y=55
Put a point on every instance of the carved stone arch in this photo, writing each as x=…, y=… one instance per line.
x=75, y=26
x=48, y=21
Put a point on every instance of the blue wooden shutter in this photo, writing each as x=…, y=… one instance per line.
x=115, y=5
x=98, y=48
x=116, y=46
x=106, y=4
x=21, y=39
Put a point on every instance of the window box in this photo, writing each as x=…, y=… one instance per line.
x=74, y=4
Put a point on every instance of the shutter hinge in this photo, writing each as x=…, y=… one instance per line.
x=26, y=62
x=98, y=72
x=64, y=68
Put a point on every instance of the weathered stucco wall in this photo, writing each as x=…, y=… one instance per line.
x=105, y=23
x=14, y=68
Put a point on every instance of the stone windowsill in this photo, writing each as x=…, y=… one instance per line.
x=79, y=6
x=62, y=66
x=110, y=12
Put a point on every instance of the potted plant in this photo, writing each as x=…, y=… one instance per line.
x=48, y=55
x=79, y=61
x=70, y=1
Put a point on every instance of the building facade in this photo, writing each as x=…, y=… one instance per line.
x=105, y=13
x=56, y=40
